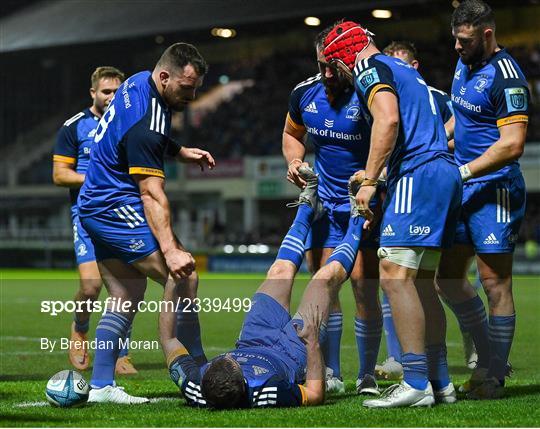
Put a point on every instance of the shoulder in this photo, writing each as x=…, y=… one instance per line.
x=310, y=83
x=72, y=122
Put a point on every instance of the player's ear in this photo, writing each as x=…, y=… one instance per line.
x=93, y=93
x=164, y=77
x=488, y=33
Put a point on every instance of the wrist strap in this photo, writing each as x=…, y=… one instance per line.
x=465, y=172
x=369, y=182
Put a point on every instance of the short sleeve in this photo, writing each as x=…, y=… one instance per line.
x=294, y=115
x=371, y=76
x=173, y=147
x=186, y=374
x=66, y=146
x=509, y=95
x=145, y=150
x=444, y=103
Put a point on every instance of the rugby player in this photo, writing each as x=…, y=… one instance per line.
x=277, y=361
x=391, y=367
x=491, y=101
x=326, y=109
x=70, y=160
x=124, y=209
x=423, y=180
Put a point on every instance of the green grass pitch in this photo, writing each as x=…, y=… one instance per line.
x=25, y=369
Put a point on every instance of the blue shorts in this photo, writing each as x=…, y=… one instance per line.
x=268, y=324
x=84, y=248
x=329, y=230
x=422, y=207
x=491, y=214
x=121, y=233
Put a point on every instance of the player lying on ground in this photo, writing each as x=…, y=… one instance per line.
x=277, y=360
x=326, y=109
x=70, y=160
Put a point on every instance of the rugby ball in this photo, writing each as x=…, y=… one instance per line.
x=67, y=389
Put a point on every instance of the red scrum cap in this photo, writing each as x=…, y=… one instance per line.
x=345, y=42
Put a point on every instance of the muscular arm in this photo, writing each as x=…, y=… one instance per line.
x=385, y=111
x=315, y=374
x=158, y=215
x=64, y=174
x=507, y=149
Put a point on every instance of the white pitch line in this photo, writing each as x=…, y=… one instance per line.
x=163, y=399
x=31, y=404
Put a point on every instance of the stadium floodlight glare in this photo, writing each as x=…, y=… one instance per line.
x=263, y=248
x=312, y=21
x=252, y=248
x=228, y=248
x=226, y=33
x=242, y=248
x=381, y=13
x=455, y=4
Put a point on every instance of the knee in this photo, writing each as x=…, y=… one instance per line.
x=90, y=288
x=497, y=290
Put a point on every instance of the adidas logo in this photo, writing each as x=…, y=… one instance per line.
x=388, y=231
x=259, y=370
x=311, y=108
x=491, y=239
x=457, y=74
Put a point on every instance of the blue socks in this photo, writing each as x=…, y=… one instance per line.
x=345, y=252
x=331, y=347
x=125, y=350
x=472, y=317
x=415, y=370
x=393, y=348
x=292, y=247
x=81, y=327
x=501, y=334
x=368, y=339
x=111, y=328
x=437, y=366
x=188, y=332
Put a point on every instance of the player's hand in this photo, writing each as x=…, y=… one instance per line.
x=357, y=178
x=363, y=197
x=312, y=318
x=194, y=155
x=180, y=263
x=293, y=175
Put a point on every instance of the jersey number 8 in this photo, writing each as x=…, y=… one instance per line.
x=104, y=123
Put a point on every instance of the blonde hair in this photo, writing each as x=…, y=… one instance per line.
x=106, y=72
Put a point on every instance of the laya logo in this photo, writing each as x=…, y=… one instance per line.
x=136, y=244
x=419, y=230
x=353, y=113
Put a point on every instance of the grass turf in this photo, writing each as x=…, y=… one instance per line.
x=25, y=369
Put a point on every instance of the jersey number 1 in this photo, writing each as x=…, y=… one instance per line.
x=431, y=101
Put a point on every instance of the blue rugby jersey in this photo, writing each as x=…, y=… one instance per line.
x=340, y=134
x=270, y=382
x=444, y=102
x=489, y=96
x=421, y=135
x=74, y=143
x=132, y=138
